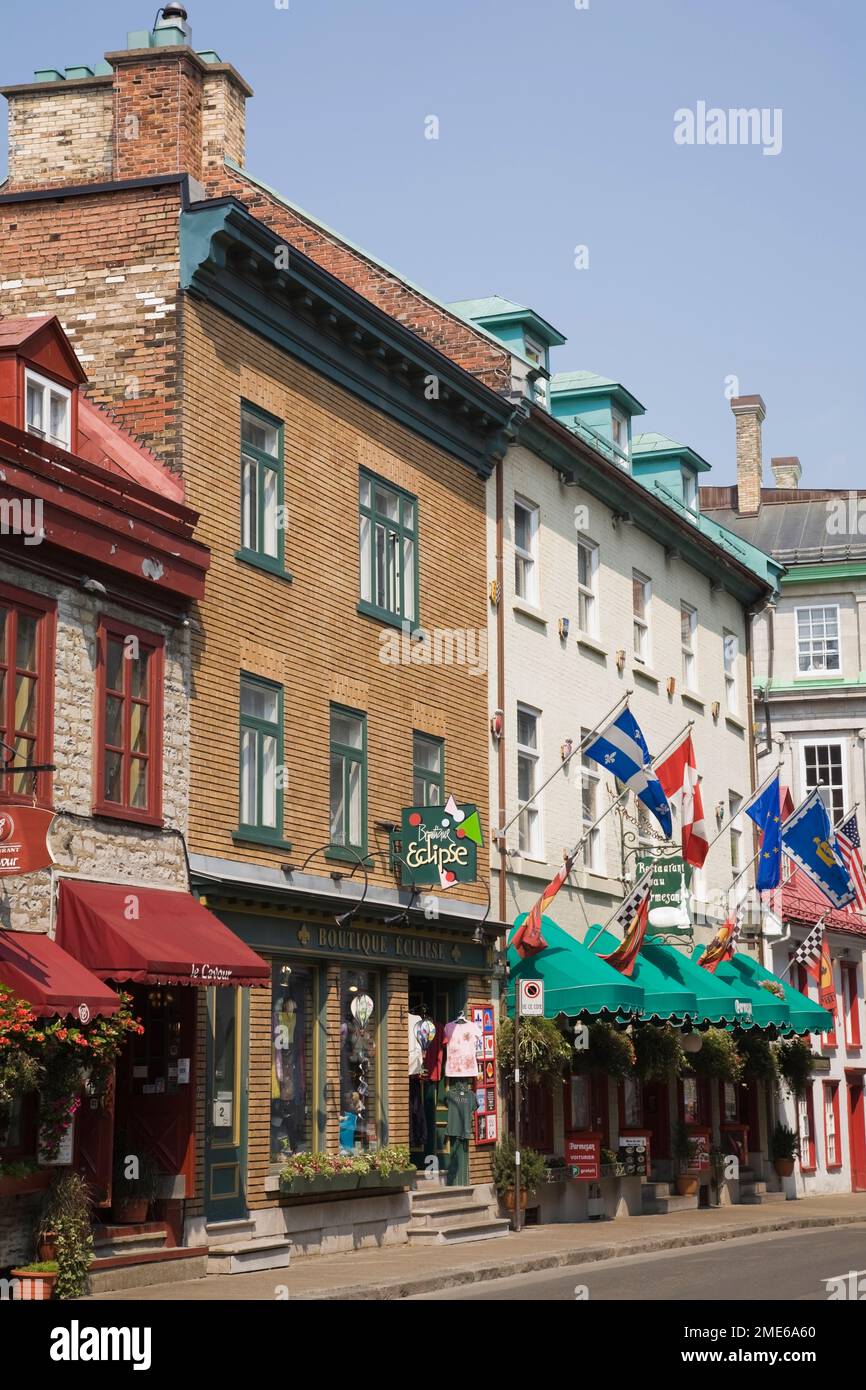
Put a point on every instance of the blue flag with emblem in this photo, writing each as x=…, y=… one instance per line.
x=807, y=836
x=766, y=812
x=621, y=749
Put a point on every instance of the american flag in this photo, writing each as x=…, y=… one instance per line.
x=848, y=845
x=810, y=949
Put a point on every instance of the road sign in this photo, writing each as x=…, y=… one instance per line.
x=531, y=998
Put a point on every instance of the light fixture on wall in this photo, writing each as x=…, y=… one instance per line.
x=720, y=811
x=566, y=749
x=715, y=709
x=671, y=685
x=497, y=723
x=494, y=593
x=563, y=626
x=620, y=659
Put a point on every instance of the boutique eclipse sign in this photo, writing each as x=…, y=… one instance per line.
x=439, y=844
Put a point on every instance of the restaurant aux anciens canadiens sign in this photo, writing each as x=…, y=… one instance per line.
x=439, y=845
x=24, y=840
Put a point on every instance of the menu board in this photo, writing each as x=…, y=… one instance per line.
x=700, y=1159
x=486, y=1116
x=633, y=1153
x=583, y=1156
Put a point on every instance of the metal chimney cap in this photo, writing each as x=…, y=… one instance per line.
x=174, y=12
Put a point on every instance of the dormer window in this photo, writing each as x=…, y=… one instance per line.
x=619, y=429
x=536, y=354
x=48, y=409
x=690, y=490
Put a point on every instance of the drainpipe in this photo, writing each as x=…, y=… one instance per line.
x=500, y=675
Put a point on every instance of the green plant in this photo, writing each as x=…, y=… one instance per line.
x=39, y=1267
x=545, y=1052
x=717, y=1057
x=759, y=1059
x=532, y=1168
x=136, y=1176
x=65, y=1214
x=391, y=1158
x=796, y=1065
x=784, y=1143
x=682, y=1147
x=610, y=1050
x=658, y=1052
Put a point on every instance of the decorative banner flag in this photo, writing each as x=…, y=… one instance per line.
x=632, y=917
x=826, y=987
x=810, y=949
x=621, y=749
x=848, y=845
x=527, y=940
x=807, y=837
x=678, y=775
x=766, y=811
x=723, y=943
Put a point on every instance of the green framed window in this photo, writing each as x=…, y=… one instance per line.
x=389, y=551
x=261, y=758
x=348, y=744
x=262, y=489
x=428, y=770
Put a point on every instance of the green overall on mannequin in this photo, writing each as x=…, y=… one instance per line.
x=462, y=1105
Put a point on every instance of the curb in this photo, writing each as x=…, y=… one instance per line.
x=563, y=1259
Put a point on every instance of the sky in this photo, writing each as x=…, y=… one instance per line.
x=710, y=269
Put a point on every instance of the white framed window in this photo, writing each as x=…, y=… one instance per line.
x=830, y=1125
x=730, y=656
x=587, y=587
x=48, y=410
x=729, y=1101
x=535, y=353
x=735, y=806
x=590, y=786
x=528, y=766
x=632, y=1110
x=581, y=1116
x=823, y=765
x=818, y=649
x=690, y=490
x=689, y=643
x=641, y=592
x=526, y=550
x=619, y=431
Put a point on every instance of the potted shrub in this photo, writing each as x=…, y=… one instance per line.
x=718, y=1057
x=658, y=1052
x=64, y=1226
x=610, y=1050
x=785, y=1147
x=390, y=1166
x=687, y=1183
x=36, y=1281
x=796, y=1065
x=532, y=1172
x=134, y=1184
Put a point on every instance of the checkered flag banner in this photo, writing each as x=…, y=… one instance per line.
x=810, y=949
x=635, y=900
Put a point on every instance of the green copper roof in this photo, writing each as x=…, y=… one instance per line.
x=575, y=980
x=591, y=384
x=649, y=445
x=665, y=997
x=496, y=310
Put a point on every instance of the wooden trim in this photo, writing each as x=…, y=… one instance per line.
x=155, y=644
x=45, y=611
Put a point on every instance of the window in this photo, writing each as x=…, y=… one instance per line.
x=590, y=783
x=831, y=1124
x=587, y=587
x=26, y=687
x=690, y=490
x=735, y=802
x=691, y=1101
x=528, y=756
x=129, y=684
x=262, y=533
x=823, y=765
x=730, y=1109
x=850, y=1004
x=731, y=654
x=580, y=1107
x=359, y=1059
x=536, y=354
x=292, y=1103
x=526, y=550
x=688, y=641
x=619, y=431
x=348, y=780
x=428, y=770
x=389, y=551
x=261, y=758
x=641, y=591
x=632, y=1109
x=818, y=640
x=48, y=410
x=806, y=1121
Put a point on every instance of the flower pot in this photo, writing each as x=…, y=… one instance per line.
x=129, y=1211
x=784, y=1167
x=687, y=1186
x=401, y=1177
x=509, y=1202
x=33, y=1287
x=46, y=1246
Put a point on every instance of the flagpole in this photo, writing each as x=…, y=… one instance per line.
x=624, y=699
x=605, y=925
x=820, y=922
x=743, y=809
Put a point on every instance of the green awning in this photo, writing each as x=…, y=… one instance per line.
x=665, y=997
x=575, y=980
x=718, y=1001
x=803, y=1014
x=768, y=1011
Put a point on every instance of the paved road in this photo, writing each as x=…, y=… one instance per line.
x=788, y=1266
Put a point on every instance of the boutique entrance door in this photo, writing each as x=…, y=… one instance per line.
x=857, y=1131
x=226, y=1104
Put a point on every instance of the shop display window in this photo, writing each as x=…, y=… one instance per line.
x=691, y=1101
x=292, y=1013
x=359, y=1059
x=729, y=1102
x=580, y=1103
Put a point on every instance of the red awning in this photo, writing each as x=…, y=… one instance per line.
x=50, y=980
x=152, y=935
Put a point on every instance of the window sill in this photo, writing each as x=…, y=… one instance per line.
x=691, y=697
x=411, y=626
x=264, y=563
x=645, y=673
x=592, y=644
x=338, y=855
x=131, y=817
x=735, y=721
x=260, y=837
x=527, y=610
x=835, y=1167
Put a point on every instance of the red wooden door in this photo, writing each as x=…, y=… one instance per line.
x=656, y=1117
x=160, y=1122
x=857, y=1133
x=94, y=1143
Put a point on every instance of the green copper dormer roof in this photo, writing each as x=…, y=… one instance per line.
x=591, y=384
x=495, y=312
x=650, y=446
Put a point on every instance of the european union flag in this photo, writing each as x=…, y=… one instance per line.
x=766, y=812
x=621, y=749
x=808, y=839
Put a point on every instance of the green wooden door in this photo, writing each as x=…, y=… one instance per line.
x=226, y=1098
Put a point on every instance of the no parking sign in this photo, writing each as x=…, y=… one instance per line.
x=531, y=998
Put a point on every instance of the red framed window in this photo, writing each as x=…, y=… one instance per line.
x=832, y=1133
x=129, y=701
x=806, y=1129
x=630, y=1095
x=850, y=1004
x=19, y=1128
x=26, y=691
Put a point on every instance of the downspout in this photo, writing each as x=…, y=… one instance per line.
x=500, y=677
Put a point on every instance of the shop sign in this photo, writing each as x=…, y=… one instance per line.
x=583, y=1156
x=820, y=1064
x=700, y=1159
x=386, y=947
x=486, y=1117
x=438, y=845
x=530, y=997
x=743, y=1008
x=669, y=891
x=24, y=840
x=633, y=1153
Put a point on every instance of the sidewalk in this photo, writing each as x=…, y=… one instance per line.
x=399, y=1271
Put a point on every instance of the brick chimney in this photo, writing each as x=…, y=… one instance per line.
x=787, y=472
x=155, y=107
x=749, y=414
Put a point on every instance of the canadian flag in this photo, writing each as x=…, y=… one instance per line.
x=678, y=775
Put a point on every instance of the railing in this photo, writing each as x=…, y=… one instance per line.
x=601, y=443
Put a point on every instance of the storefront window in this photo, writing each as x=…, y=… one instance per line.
x=729, y=1098
x=10, y=1124
x=359, y=1032
x=580, y=1102
x=291, y=1059
x=690, y=1100
x=631, y=1103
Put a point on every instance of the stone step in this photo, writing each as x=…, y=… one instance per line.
x=657, y=1189
x=112, y=1241
x=469, y=1214
x=456, y=1235
x=427, y=1192
x=760, y=1199
x=663, y=1206
x=241, y=1228
x=140, y=1272
x=249, y=1256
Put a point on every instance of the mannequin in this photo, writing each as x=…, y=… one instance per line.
x=462, y=1105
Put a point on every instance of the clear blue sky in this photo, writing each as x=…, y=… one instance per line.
x=556, y=129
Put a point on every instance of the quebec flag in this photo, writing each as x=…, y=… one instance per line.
x=808, y=839
x=621, y=749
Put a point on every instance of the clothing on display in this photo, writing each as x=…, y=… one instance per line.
x=463, y=1040
x=417, y=1115
x=416, y=1052
x=462, y=1105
